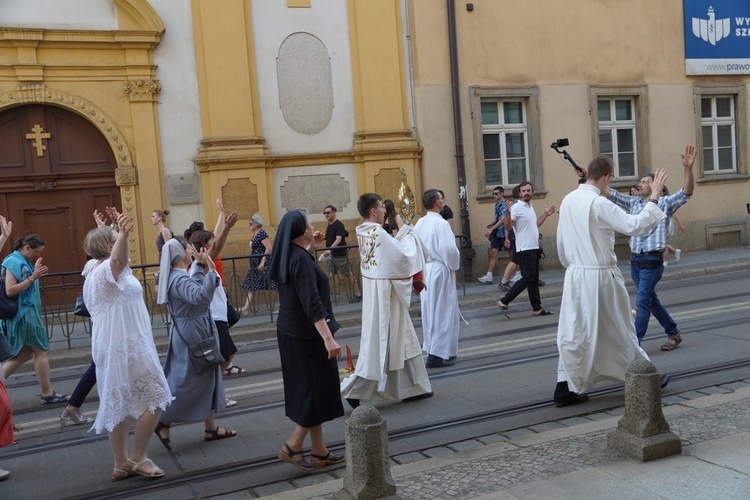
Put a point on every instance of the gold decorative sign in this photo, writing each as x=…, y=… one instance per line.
x=37, y=137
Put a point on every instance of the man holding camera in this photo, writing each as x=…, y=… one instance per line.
x=595, y=335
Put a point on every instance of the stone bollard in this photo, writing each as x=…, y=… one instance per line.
x=643, y=432
x=368, y=473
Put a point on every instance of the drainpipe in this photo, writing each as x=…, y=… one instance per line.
x=469, y=253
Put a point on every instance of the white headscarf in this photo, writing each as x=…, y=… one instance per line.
x=170, y=255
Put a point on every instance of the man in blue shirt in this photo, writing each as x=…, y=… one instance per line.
x=646, y=261
x=496, y=233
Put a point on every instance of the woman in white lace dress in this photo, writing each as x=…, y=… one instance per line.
x=130, y=379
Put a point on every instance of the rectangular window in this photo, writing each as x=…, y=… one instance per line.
x=505, y=141
x=617, y=134
x=718, y=132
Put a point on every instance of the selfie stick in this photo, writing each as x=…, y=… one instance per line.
x=566, y=156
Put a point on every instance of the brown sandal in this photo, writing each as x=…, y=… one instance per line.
x=672, y=343
x=287, y=454
x=331, y=458
x=216, y=436
x=164, y=440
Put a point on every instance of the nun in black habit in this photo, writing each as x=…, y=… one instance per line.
x=309, y=353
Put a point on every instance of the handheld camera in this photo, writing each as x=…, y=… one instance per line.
x=561, y=143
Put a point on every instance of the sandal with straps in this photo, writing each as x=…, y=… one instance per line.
x=287, y=455
x=155, y=472
x=329, y=459
x=54, y=398
x=672, y=342
x=214, y=435
x=542, y=312
x=164, y=440
x=120, y=474
x=234, y=370
x=505, y=308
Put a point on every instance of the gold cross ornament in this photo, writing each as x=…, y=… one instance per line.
x=37, y=137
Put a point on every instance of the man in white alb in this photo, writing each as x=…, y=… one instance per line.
x=440, y=316
x=595, y=335
x=390, y=364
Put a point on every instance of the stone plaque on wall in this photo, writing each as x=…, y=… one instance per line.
x=183, y=188
x=314, y=192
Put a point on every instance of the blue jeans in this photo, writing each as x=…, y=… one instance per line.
x=646, y=271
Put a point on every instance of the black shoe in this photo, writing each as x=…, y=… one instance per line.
x=426, y=395
x=352, y=402
x=541, y=283
x=356, y=299
x=453, y=358
x=436, y=362
x=571, y=399
x=664, y=380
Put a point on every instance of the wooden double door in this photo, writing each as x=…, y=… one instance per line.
x=55, y=169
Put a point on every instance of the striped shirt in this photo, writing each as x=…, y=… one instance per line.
x=656, y=238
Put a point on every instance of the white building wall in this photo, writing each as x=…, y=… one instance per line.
x=327, y=20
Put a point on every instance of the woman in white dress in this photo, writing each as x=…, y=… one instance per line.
x=130, y=380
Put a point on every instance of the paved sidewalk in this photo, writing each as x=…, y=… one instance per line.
x=572, y=461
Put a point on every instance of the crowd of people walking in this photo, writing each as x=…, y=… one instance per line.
x=597, y=337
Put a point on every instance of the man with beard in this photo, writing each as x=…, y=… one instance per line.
x=525, y=223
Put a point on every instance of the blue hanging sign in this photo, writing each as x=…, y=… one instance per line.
x=717, y=37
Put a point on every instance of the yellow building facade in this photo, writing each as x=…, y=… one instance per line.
x=609, y=76
x=265, y=105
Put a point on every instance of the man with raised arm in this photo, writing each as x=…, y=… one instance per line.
x=390, y=364
x=646, y=260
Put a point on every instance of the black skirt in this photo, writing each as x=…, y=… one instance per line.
x=312, y=393
x=226, y=344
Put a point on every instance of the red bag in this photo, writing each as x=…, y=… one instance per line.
x=418, y=285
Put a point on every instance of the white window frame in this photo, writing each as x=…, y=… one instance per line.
x=529, y=97
x=739, y=93
x=714, y=122
x=501, y=129
x=638, y=95
x=613, y=125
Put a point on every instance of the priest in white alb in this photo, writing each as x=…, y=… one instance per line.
x=440, y=315
x=596, y=335
x=390, y=364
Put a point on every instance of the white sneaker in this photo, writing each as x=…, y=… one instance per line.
x=487, y=278
x=677, y=254
x=665, y=263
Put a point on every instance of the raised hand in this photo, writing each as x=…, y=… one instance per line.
x=230, y=219
x=100, y=218
x=657, y=185
x=5, y=228
x=219, y=205
x=688, y=159
x=124, y=224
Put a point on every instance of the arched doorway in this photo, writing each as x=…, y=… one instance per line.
x=55, y=169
